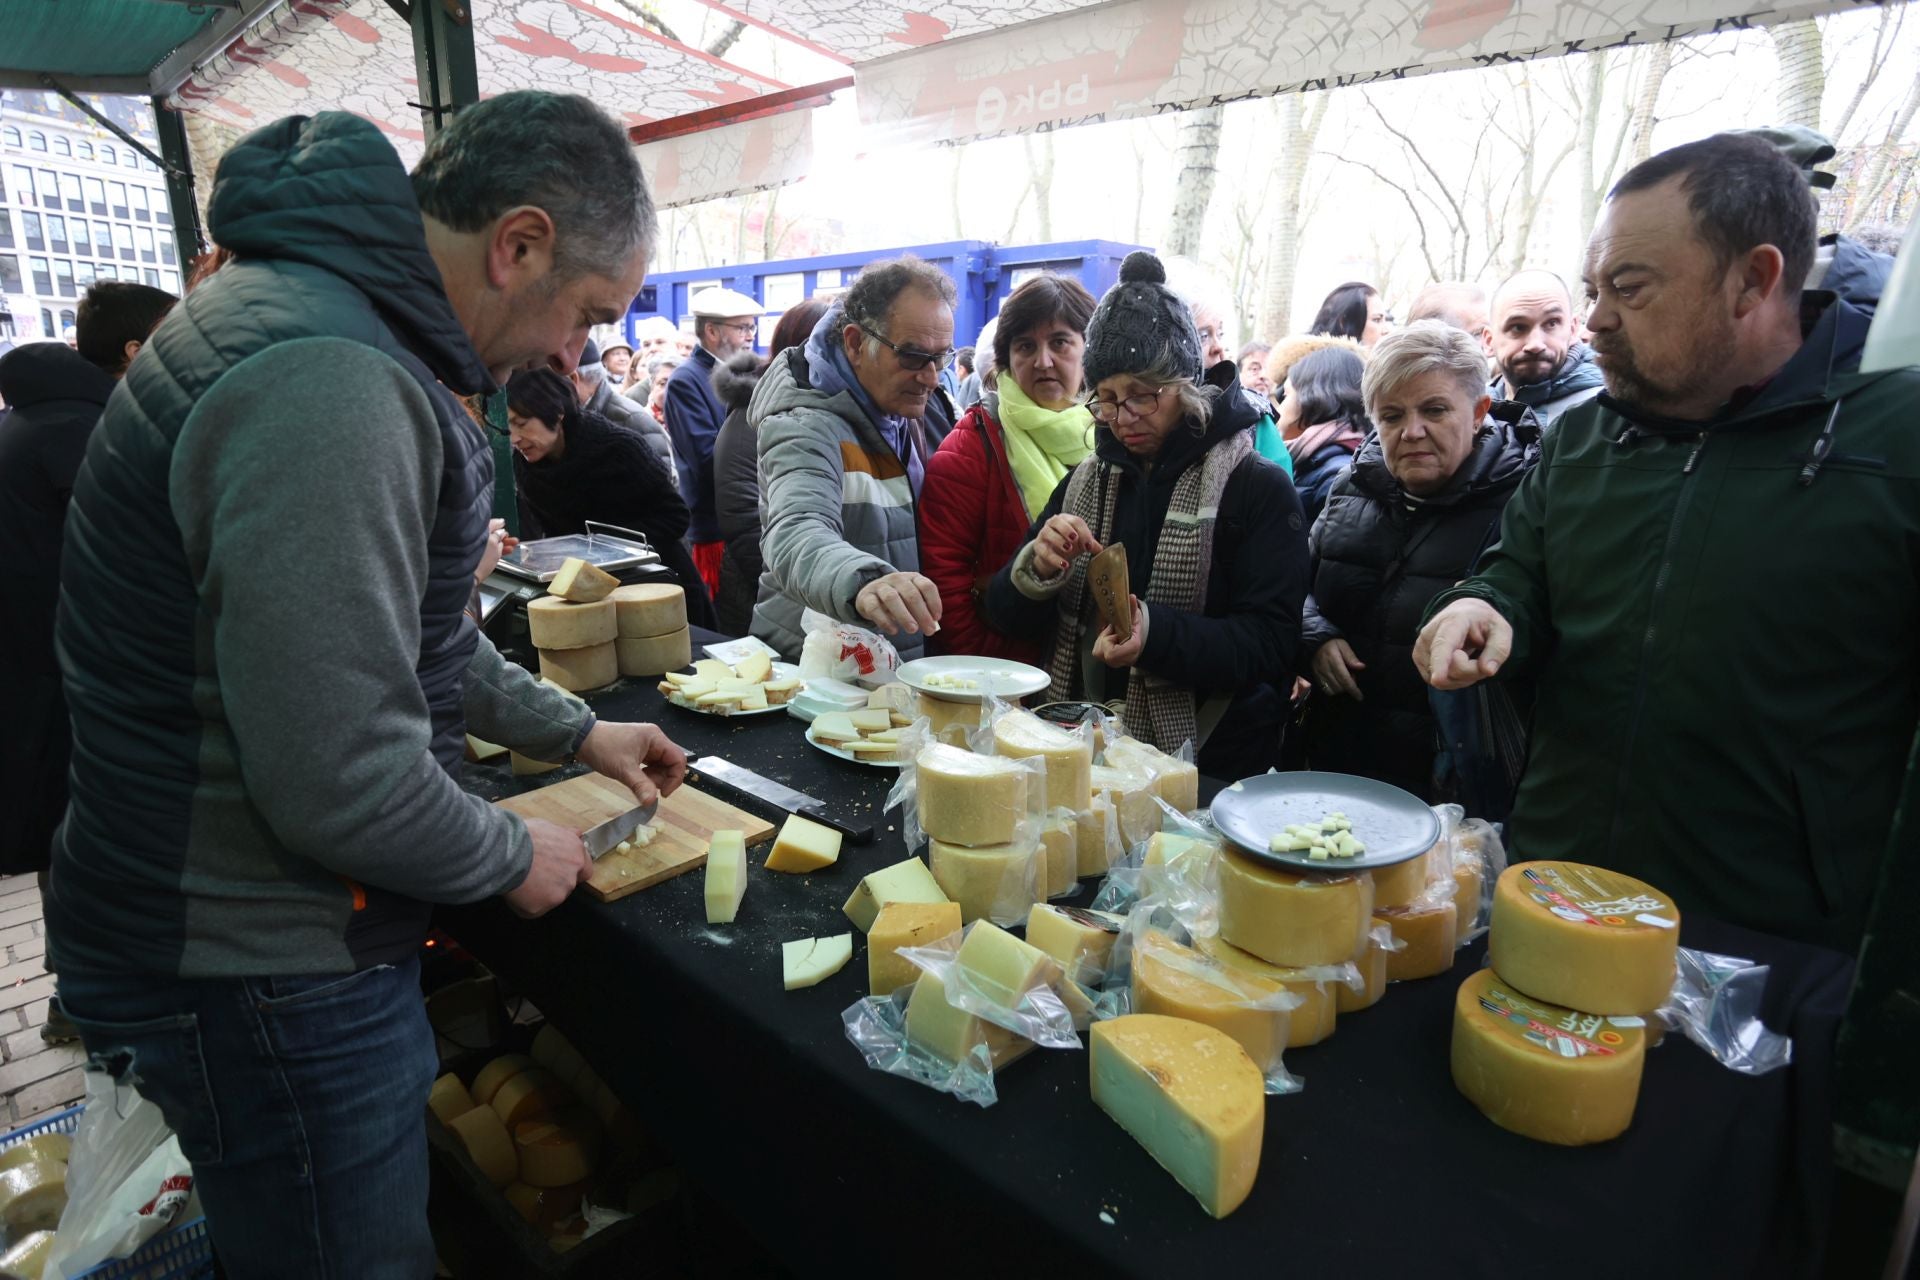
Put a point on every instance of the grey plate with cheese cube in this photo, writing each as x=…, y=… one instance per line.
x=1393, y=824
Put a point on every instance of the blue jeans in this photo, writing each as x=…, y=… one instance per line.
x=300, y=1102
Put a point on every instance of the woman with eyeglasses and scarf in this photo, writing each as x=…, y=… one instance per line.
x=1216, y=544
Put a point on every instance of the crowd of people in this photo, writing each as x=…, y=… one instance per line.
x=1635, y=569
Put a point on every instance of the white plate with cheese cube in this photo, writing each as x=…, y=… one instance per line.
x=958, y=678
x=743, y=690
x=1392, y=824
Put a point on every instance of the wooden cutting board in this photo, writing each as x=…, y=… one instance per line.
x=685, y=823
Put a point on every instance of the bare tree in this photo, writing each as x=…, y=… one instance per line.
x=1888, y=172
x=1198, y=161
x=1885, y=37
x=1803, y=76
x=1646, y=103
x=1040, y=181
x=649, y=16
x=1296, y=132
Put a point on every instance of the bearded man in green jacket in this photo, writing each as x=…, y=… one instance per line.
x=1713, y=576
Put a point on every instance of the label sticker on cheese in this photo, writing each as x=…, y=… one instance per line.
x=1591, y=895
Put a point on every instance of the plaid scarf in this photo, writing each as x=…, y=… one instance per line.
x=1157, y=710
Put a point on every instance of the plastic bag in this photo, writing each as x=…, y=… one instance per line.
x=1174, y=775
x=842, y=651
x=1716, y=1002
x=1037, y=1013
x=877, y=1026
x=1476, y=846
x=127, y=1180
x=1186, y=880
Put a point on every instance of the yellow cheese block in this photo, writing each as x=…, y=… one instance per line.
x=1181, y=983
x=1401, y=883
x=1019, y=735
x=904, y=924
x=1190, y=1096
x=1583, y=937
x=804, y=845
x=594, y=667
x=1428, y=932
x=449, y=1098
x=1131, y=793
x=581, y=582
x=1081, y=942
x=908, y=881
x=649, y=609
x=531, y=1095
x=528, y=767
x=1372, y=962
x=557, y=1054
x=1002, y=967
x=990, y=882
x=950, y=1034
x=1060, y=854
x=545, y=1207
x=496, y=1073
x=1187, y=855
x=944, y=713
x=488, y=1144
x=805, y=962
x=1096, y=839
x=28, y=1256
x=554, y=1154
x=561, y=624
x=1314, y=1019
x=1289, y=919
x=481, y=749
x=1541, y=1070
x=653, y=655
x=967, y=799
x=48, y=1148
x=726, y=876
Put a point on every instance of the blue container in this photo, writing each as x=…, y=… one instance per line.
x=184, y=1253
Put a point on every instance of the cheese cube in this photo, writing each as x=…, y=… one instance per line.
x=1181, y=983
x=592, y=667
x=804, y=845
x=950, y=1034
x=496, y=1073
x=871, y=719
x=1373, y=973
x=757, y=667
x=531, y=1095
x=1003, y=968
x=1286, y=919
x=1096, y=839
x=908, y=881
x=904, y=924
x=581, y=582
x=1190, y=1096
x=653, y=655
x=488, y=1144
x=1427, y=930
x=990, y=882
x=1069, y=757
x=806, y=961
x=650, y=609
x=449, y=1098
x=967, y=799
x=1544, y=1071
x=1080, y=942
x=1582, y=937
x=726, y=879
x=1318, y=1013
x=560, y=624
x=1060, y=854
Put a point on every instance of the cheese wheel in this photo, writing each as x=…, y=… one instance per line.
x=1019, y=735
x=579, y=669
x=534, y=1093
x=944, y=713
x=967, y=799
x=1467, y=884
x=561, y=624
x=1174, y=780
x=650, y=609
x=904, y=924
x=1541, y=1070
x=32, y=1196
x=1190, y=1096
x=488, y=1144
x=1373, y=973
x=1289, y=919
x=1401, y=883
x=449, y=1098
x=1096, y=839
x=1179, y=982
x=50, y=1147
x=997, y=882
x=28, y=1256
x=1428, y=932
x=557, y=1054
x=1132, y=795
x=553, y=1154
x=1317, y=1014
x=496, y=1073
x=1583, y=937
x=653, y=655
x=1060, y=853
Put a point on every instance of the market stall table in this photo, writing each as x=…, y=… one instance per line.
x=1379, y=1167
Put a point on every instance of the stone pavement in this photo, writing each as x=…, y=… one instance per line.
x=35, y=1078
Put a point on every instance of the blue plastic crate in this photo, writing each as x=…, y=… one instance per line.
x=184, y=1253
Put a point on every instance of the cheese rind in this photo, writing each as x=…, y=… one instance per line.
x=726, y=876
x=649, y=609
x=1077, y=940
x=1584, y=937
x=904, y=924
x=50, y=1148
x=32, y=1196
x=561, y=624
x=1401, y=883
x=1427, y=930
x=1292, y=920
x=653, y=655
x=967, y=799
x=496, y=1073
x=581, y=582
x=807, y=961
x=1190, y=1095
x=594, y=667
x=534, y=1093
x=1541, y=1070
x=990, y=882
x=488, y=1144
x=945, y=713
x=449, y=1098
x=1180, y=982
x=803, y=845
x=1314, y=1019
x=908, y=881
x=1019, y=735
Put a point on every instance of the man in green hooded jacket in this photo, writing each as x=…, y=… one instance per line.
x=1713, y=576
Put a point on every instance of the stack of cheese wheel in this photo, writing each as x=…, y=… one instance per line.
x=576, y=641
x=651, y=623
x=1415, y=901
x=1549, y=1041
x=981, y=847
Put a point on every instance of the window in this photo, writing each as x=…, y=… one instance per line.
x=107, y=156
x=170, y=281
x=61, y=147
x=49, y=188
x=132, y=160
x=57, y=232
x=6, y=230
x=140, y=209
x=97, y=195
x=123, y=240
x=106, y=271
x=85, y=150
x=46, y=323
x=37, y=140
x=42, y=275
x=143, y=236
x=11, y=137
x=83, y=275
x=119, y=192
x=66, y=321
x=23, y=184
x=63, y=274
x=162, y=212
x=10, y=274
x=82, y=242
x=70, y=192
x=150, y=276
x=30, y=228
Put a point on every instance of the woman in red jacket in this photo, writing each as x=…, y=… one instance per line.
x=1003, y=460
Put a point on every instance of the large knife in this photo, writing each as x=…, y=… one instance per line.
x=754, y=786
x=606, y=836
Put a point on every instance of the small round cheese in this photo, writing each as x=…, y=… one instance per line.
x=968, y=799
x=52, y=1148
x=997, y=882
x=1427, y=931
x=580, y=669
x=449, y=1098
x=1316, y=1016
x=488, y=1144
x=650, y=609
x=1541, y=1070
x=554, y=1153
x=496, y=1073
x=1584, y=937
x=654, y=655
x=32, y=1196
x=534, y=1093
x=562, y=624
x=1289, y=919
x=1021, y=734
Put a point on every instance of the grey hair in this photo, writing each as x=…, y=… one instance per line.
x=1426, y=346
x=594, y=373
x=555, y=152
x=1196, y=398
x=870, y=301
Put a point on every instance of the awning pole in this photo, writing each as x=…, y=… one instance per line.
x=443, y=61
x=178, y=166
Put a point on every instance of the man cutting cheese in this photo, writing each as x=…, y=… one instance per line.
x=264, y=640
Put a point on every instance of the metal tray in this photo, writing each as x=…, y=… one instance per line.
x=1394, y=824
x=602, y=546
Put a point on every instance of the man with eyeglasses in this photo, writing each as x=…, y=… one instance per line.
x=723, y=322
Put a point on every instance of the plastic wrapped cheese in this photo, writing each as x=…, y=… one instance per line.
x=1542, y=1070
x=1372, y=962
x=593, y=667
x=968, y=799
x=28, y=1256
x=1174, y=780
x=1096, y=839
x=1060, y=854
x=653, y=655
x=561, y=624
x=1175, y=980
x=51, y=1148
x=1317, y=1014
x=1289, y=919
x=904, y=924
x=1426, y=931
x=1079, y=941
x=1403, y=882
x=997, y=882
x=1069, y=756
x=1131, y=793
x=1584, y=937
x=650, y=609
x=944, y=714
x=936, y=1026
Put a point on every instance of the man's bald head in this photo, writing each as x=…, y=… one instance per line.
x=1452, y=302
x=1532, y=327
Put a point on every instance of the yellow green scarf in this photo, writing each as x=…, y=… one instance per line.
x=1042, y=444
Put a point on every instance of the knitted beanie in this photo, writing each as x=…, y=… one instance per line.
x=1141, y=324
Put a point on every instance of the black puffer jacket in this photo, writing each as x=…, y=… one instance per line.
x=736, y=492
x=1379, y=556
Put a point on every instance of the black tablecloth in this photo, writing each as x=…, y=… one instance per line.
x=1379, y=1166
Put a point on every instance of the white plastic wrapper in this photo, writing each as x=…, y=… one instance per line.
x=877, y=1026
x=1037, y=1013
x=127, y=1180
x=842, y=651
x=1475, y=842
x=1174, y=774
x=1715, y=1002
x=1187, y=885
x=905, y=794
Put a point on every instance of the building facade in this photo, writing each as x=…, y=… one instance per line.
x=77, y=204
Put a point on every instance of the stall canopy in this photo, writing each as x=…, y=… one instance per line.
x=732, y=116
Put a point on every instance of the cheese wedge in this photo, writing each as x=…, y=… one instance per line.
x=557, y=1152
x=806, y=961
x=1319, y=1010
x=1080, y=941
x=650, y=609
x=1096, y=839
x=449, y=1098
x=561, y=624
x=1288, y=919
x=967, y=799
x=1583, y=937
x=937, y=1027
x=835, y=727
x=904, y=924
x=1003, y=968
x=908, y=881
x=726, y=882
x=1189, y=1095
x=488, y=1144
x=1131, y=793
x=757, y=667
x=581, y=582
x=804, y=845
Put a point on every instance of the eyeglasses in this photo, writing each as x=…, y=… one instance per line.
x=745, y=328
x=912, y=359
x=1107, y=411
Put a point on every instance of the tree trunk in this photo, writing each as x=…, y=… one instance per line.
x=1874, y=183
x=1593, y=186
x=1040, y=169
x=1646, y=107
x=1297, y=131
x=1803, y=78
x=725, y=40
x=1197, y=155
